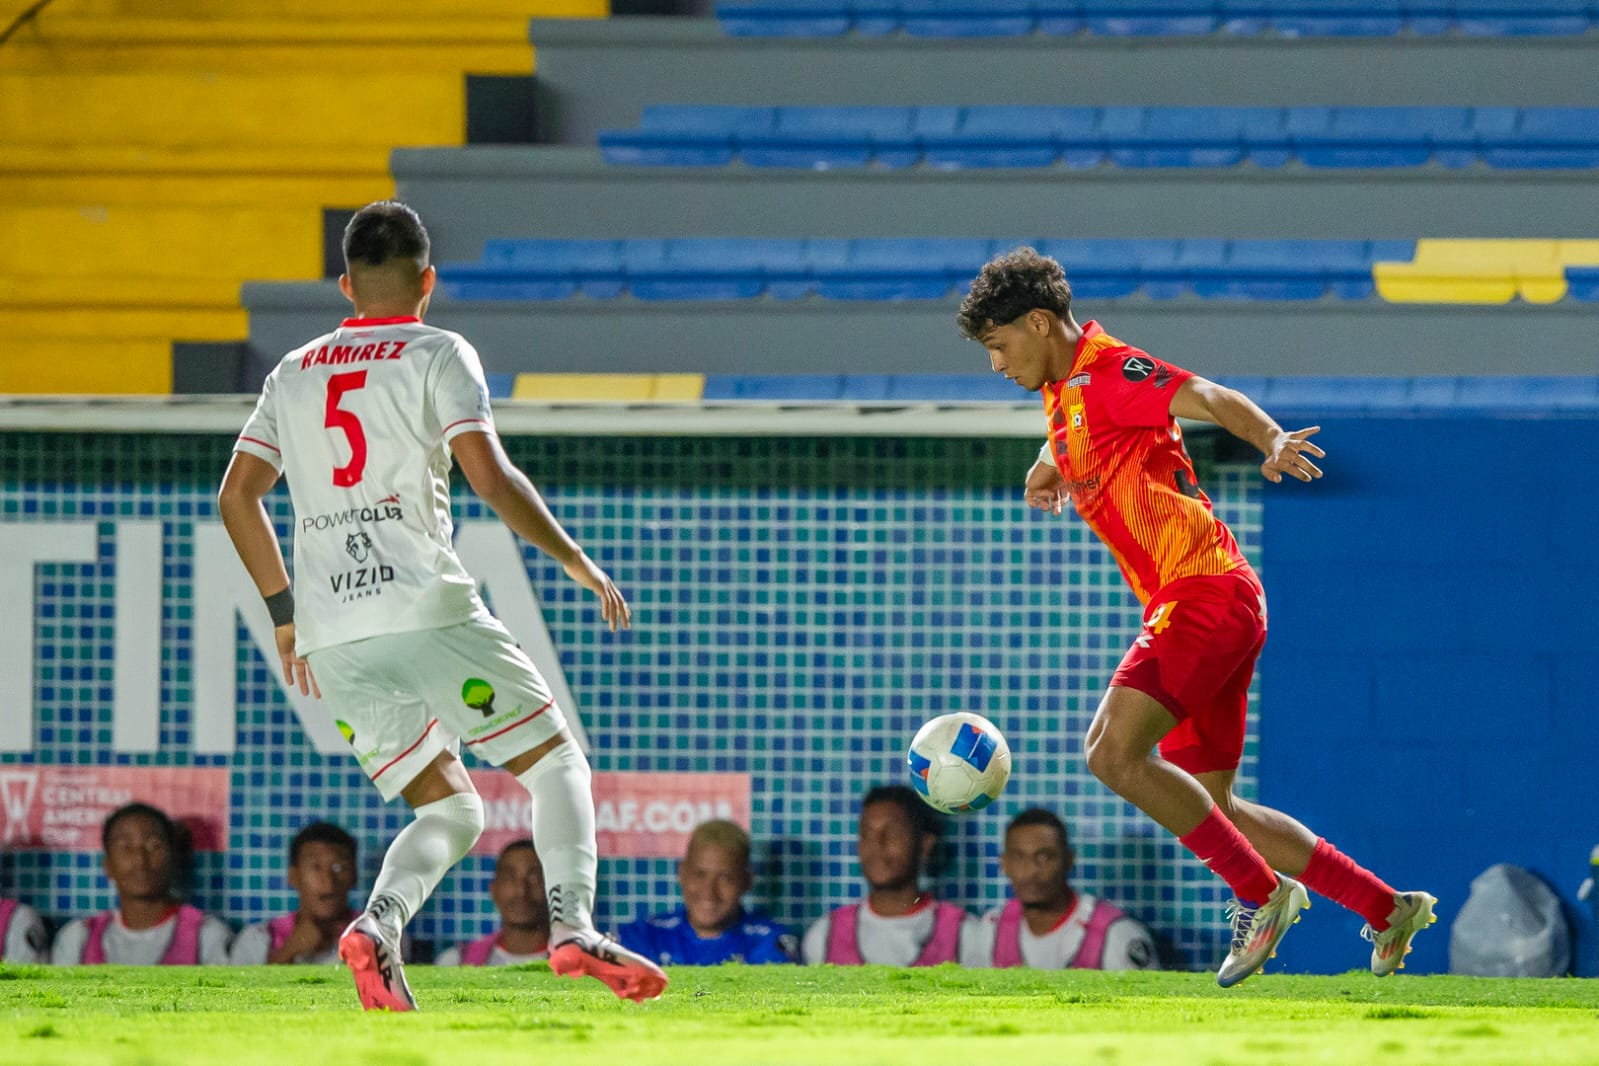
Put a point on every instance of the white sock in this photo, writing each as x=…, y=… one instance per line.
x=563, y=834
x=443, y=832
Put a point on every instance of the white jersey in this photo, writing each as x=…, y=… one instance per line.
x=359, y=422
x=1128, y=944
x=253, y=947
x=26, y=938
x=888, y=941
x=497, y=957
x=140, y=947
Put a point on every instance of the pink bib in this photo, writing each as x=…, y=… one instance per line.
x=183, y=951
x=478, y=951
x=1090, y=956
x=843, y=948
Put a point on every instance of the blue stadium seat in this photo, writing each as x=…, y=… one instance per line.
x=1537, y=137
x=784, y=18
x=1173, y=136
x=1379, y=136
x=1428, y=18
x=550, y=269
x=1018, y=137
x=954, y=388
x=685, y=135
x=1287, y=270
x=1107, y=269
x=827, y=137
x=707, y=268
x=1582, y=283
x=1150, y=18
x=894, y=268
x=1334, y=18
x=796, y=387
x=967, y=18
x=1521, y=18
x=1059, y=18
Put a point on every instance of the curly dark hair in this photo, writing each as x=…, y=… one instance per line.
x=918, y=815
x=1011, y=285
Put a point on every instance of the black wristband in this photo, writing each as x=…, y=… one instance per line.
x=280, y=606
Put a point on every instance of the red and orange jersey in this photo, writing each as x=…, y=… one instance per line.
x=1121, y=452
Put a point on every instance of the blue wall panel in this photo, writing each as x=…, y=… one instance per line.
x=1429, y=692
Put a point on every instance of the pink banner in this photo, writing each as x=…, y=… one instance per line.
x=636, y=815
x=60, y=808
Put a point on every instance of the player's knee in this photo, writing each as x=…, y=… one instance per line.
x=464, y=813
x=1107, y=758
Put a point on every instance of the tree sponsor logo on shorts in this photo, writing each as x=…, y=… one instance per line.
x=478, y=694
x=345, y=731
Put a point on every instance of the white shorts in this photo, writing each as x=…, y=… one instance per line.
x=402, y=698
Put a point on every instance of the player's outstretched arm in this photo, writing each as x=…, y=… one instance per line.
x=244, y=486
x=1286, y=452
x=508, y=491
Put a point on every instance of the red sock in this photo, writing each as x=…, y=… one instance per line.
x=1341, y=879
x=1220, y=846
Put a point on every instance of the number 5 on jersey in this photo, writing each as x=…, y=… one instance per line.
x=345, y=421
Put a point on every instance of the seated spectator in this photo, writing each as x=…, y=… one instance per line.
x=518, y=894
x=23, y=934
x=148, y=926
x=899, y=924
x=712, y=925
x=1049, y=925
x=322, y=869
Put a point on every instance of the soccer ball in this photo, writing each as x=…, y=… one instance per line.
x=959, y=762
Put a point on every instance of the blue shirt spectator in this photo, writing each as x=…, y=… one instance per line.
x=670, y=939
x=712, y=926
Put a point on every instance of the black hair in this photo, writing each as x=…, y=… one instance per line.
x=383, y=232
x=922, y=818
x=1008, y=287
x=321, y=833
x=168, y=827
x=1040, y=816
x=517, y=845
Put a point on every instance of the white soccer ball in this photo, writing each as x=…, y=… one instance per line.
x=959, y=762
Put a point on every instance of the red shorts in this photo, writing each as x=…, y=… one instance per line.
x=1195, y=657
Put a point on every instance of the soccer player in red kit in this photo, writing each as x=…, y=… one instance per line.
x=1116, y=451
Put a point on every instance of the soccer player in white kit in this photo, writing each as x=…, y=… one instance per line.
x=389, y=628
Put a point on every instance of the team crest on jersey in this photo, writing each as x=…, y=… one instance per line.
x=359, y=545
x=1076, y=412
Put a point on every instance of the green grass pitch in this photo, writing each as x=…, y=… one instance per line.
x=742, y=1016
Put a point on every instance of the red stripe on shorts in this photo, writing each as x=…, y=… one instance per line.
x=513, y=725
x=407, y=751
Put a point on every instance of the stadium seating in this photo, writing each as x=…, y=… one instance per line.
x=934, y=268
x=912, y=268
x=1017, y=136
x=161, y=152
x=1122, y=18
x=1457, y=396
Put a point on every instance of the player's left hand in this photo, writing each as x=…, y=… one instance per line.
x=1289, y=454
x=613, y=606
x=296, y=671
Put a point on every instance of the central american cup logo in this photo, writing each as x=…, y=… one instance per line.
x=478, y=694
x=16, y=800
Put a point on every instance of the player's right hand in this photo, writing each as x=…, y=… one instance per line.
x=1045, y=489
x=296, y=671
x=613, y=607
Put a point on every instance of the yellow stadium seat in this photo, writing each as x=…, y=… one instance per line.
x=58, y=40
x=85, y=367
x=609, y=388
x=1483, y=271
